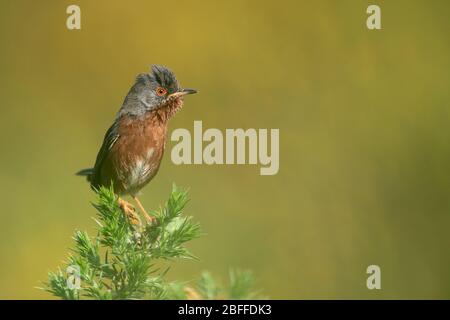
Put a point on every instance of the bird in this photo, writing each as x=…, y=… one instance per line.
x=133, y=146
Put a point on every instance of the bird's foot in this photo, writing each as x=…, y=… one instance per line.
x=150, y=219
x=129, y=212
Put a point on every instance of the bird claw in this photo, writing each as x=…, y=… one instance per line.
x=150, y=219
x=129, y=212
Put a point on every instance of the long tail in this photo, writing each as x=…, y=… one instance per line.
x=86, y=173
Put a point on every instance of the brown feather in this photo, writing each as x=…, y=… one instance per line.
x=135, y=157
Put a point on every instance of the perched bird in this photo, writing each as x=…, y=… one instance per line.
x=133, y=146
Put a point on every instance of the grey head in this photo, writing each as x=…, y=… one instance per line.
x=152, y=91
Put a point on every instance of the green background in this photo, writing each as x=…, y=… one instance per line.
x=364, y=137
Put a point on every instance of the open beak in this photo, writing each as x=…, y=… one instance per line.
x=183, y=92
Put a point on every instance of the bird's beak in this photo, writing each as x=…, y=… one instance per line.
x=188, y=91
x=182, y=93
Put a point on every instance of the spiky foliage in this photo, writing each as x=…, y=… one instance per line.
x=240, y=286
x=120, y=261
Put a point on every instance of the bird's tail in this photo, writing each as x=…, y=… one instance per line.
x=86, y=173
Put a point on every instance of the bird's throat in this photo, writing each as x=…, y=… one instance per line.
x=167, y=111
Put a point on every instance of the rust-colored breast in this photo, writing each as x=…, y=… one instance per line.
x=135, y=157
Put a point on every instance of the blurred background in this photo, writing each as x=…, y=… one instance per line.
x=364, y=137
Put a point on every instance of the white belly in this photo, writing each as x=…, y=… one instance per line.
x=141, y=170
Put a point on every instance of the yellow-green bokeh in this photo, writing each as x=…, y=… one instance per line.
x=364, y=136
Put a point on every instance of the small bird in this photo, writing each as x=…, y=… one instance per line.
x=133, y=146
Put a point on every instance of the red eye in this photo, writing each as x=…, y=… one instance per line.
x=160, y=91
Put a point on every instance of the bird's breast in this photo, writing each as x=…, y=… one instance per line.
x=139, y=150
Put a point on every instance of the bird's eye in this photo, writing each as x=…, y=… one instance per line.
x=160, y=91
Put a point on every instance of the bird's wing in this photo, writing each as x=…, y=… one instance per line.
x=111, y=137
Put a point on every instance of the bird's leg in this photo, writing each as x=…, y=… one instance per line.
x=149, y=218
x=129, y=211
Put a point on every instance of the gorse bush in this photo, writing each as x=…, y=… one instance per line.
x=120, y=262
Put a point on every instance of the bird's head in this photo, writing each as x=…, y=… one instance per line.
x=155, y=90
